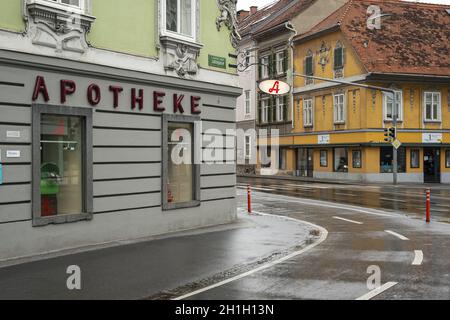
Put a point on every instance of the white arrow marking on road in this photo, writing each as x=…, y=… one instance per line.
x=351, y=221
x=377, y=291
x=397, y=235
x=418, y=258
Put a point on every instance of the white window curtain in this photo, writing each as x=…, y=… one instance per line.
x=388, y=103
x=432, y=102
x=339, y=108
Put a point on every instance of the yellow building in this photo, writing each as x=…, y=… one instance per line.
x=339, y=129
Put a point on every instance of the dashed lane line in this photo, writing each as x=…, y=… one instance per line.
x=377, y=291
x=347, y=220
x=398, y=235
x=418, y=258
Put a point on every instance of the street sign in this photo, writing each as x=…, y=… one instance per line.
x=274, y=87
x=396, y=143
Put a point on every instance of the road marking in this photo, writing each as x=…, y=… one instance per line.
x=348, y=220
x=397, y=200
x=418, y=258
x=327, y=204
x=396, y=235
x=323, y=237
x=377, y=291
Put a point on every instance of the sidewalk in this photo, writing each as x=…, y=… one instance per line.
x=343, y=182
x=146, y=269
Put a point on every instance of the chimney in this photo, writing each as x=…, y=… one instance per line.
x=242, y=14
x=253, y=10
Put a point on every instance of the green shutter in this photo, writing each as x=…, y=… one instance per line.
x=286, y=108
x=259, y=109
x=260, y=69
x=338, y=58
x=286, y=61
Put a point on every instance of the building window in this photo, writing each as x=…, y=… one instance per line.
x=309, y=67
x=247, y=102
x=447, y=158
x=324, y=158
x=281, y=62
x=248, y=146
x=265, y=110
x=388, y=106
x=264, y=67
x=339, y=108
x=386, y=160
x=357, y=159
x=432, y=102
x=308, y=113
x=340, y=160
x=338, y=61
x=181, y=174
x=62, y=164
x=280, y=108
x=179, y=17
x=72, y=3
x=415, y=156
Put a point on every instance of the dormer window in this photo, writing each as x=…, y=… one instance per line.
x=179, y=18
x=339, y=60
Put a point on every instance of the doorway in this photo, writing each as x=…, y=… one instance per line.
x=431, y=165
x=305, y=162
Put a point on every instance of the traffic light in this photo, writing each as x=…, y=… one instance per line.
x=390, y=134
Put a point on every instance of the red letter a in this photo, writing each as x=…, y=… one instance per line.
x=40, y=87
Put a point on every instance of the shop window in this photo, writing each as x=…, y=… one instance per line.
x=339, y=108
x=447, y=158
x=324, y=158
x=386, y=160
x=432, y=108
x=308, y=113
x=62, y=164
x=340, y=160
x=389, y=107
x=181, y=173
x=357, y=159
x=415, y=158
x=179, y=17
x=282, y=159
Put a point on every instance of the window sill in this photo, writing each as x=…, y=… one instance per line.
x=339, y=122
x=308, y=126
x=432, y=121
x=184, y=205
x=61, y=219
x=390, y=120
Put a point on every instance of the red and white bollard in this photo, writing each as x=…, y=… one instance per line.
x=249, y=199
x=428, y=205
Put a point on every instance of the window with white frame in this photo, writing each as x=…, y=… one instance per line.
x=389, y=106
x=248, y=146
x=72, y=5
x=280, y=62
x=247, y=102
x=308, y=113
x=280, y=108
x=432, y=106
x=265, y=110
x=265, y=67
x=339, y=108
x=178, y=17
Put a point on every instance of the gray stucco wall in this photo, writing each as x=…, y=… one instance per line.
x=126, y=156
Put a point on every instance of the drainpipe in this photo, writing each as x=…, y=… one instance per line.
x=290, y=27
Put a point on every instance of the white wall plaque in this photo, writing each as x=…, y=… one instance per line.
x=13, y=134
x=324, y=139
x=431, y=137
x=13, y=153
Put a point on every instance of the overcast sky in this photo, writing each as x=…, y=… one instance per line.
x=245, y=4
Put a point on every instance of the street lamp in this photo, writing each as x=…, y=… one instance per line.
x=394, y=111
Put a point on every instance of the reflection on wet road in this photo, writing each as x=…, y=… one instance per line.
x=408, y=199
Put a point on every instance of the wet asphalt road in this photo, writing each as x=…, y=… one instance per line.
x=337, y=268
x=409, y=199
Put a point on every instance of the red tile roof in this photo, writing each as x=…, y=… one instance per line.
x=413, y=39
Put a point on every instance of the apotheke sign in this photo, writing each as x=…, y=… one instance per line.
x=274, y=87
x=136, y=96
